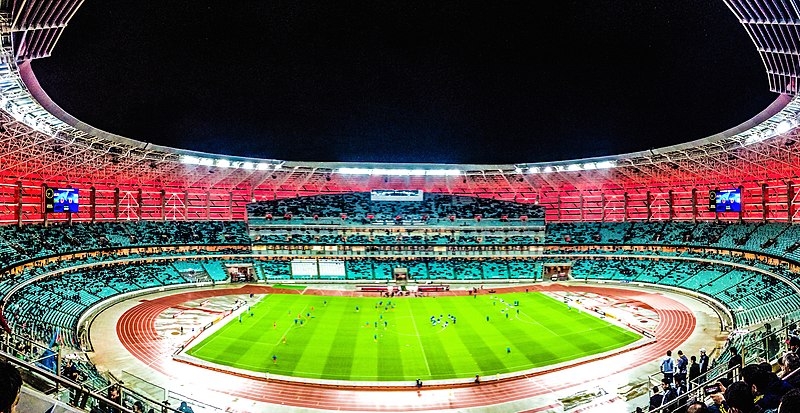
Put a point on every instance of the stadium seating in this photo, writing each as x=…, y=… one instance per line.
x=358, y=206
x=779, y=239
x=32, y=241
x=275, y=269
x=524, y=269
x=753, y=297
x=57, y=302
x=359, y=269
x=441, y=270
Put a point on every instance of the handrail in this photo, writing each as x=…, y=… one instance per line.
x=64, y=382
x=694, y=394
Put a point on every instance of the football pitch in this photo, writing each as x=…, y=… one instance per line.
x=382, y=339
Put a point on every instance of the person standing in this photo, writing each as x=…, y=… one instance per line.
x=668, y=367
x=739, y=398
x=670, y=393
x=656, y=399
x=703, y=362
x=682, y=368
x=114, y=396
x=71, y=372
x=769, y=343
x=694, y=372
x=735, y=361
x=3, y=323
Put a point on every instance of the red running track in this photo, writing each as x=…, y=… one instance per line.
x=136, y=330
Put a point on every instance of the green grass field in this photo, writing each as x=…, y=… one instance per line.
x=289, y=286
x=338, y=342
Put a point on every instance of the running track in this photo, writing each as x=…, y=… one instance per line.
x=136, y=330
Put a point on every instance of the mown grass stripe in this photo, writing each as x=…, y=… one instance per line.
x=337, y=343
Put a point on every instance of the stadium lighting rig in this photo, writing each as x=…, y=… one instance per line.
x=572, y=167
x=768, y=132
x=227, y=163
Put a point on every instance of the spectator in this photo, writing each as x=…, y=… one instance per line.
x=739, y=398
x=656, y=398
x=71, y=372
x=681, y=390
x=767, y=388
x=683, y=366
x=718, y=399
x=735, y=361
x=791, y=364
x=694, y=372
x=184, y=408
x=794, y=344
x=703, y=363
x=668, y=367
x=3, y=323
x=770, y=342
x=670, y=393
x=10, y=384
x=114, y=396
x=790, y=403
x=697, y=407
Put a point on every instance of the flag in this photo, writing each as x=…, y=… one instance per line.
x=56, y=339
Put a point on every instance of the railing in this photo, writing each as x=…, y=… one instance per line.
x=62, y=385
x=754, y=346
x=41, y=368
x=696, y=393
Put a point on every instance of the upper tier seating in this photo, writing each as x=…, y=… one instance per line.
x=320, y=236
x=35, y=240
x=358, y=206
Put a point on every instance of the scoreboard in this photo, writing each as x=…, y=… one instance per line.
x=61, y=200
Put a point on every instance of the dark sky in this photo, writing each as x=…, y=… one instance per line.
x=408, y=81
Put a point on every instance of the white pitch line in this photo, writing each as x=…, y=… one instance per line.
x=290, y=328
x=419, y=339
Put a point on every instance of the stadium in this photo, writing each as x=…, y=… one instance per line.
x=136, y=276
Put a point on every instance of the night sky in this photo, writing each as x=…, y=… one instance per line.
x=408, y=81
